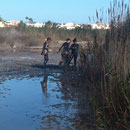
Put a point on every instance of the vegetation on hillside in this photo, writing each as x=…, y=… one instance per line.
x=25, y=36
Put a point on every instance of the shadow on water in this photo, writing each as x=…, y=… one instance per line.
x=56, y=99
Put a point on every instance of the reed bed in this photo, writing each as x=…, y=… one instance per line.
x=107, y=66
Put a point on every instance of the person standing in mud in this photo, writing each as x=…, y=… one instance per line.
x=65, y=49
x=74, y=48
x=45, y=50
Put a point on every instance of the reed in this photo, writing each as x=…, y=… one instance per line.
x=107, y=66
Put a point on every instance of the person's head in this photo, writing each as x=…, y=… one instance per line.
x=75, y=41
x=48, y=40
x=68, y=40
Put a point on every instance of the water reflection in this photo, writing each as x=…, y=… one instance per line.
x=62, y=101
x=75, y=89
x=44, y=83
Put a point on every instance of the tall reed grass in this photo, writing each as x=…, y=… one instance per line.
x=107, y=66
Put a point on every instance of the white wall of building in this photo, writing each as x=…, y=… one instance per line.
x=2, y=25
x=69, y=26
x=37, y=25
x=12, y=23
x=100, y=26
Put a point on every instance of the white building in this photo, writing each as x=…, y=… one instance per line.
x=12, y=23
x=69, y=26
x=2, y=24
x=36, y=25
x=100, y=26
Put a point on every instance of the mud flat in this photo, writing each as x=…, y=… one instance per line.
x=34, y=97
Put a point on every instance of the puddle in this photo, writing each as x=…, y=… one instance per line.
x=18, y=58
x=43, y=103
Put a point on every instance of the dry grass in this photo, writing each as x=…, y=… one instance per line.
x=23, y=36
x=109, y=70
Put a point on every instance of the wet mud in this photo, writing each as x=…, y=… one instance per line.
x=33, y=97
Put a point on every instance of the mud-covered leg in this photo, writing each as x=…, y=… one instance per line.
x=62, y=57
x=70, y=58
x=75, y=59
x=45, y=59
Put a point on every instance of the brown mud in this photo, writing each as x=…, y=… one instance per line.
x=34, y=97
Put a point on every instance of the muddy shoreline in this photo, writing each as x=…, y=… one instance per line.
x=68, y=94
x=25, y=63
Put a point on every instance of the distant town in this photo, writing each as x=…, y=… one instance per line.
x=69, y=26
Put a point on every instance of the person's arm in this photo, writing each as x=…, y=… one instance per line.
x=44, y=46
x=61, y=47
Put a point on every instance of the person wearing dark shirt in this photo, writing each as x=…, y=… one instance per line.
x=45, y=50
x=74, y=51
x=65, y=49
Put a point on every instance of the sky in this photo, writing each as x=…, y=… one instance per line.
x=60, y=11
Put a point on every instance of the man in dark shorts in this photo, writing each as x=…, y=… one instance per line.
x=45, y=50
x=74, y=48
x=65, y=49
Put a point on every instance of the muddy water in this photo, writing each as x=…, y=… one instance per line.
x=40, y=103
x=33, y=98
